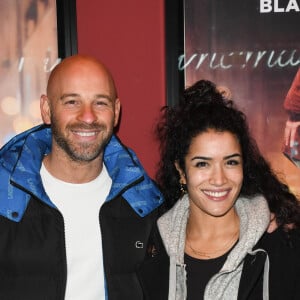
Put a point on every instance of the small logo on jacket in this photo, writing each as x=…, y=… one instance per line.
x=139, y=245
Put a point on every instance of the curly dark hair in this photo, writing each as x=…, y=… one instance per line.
x=203, y=107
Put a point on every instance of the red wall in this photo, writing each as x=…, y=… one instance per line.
x=128, y=36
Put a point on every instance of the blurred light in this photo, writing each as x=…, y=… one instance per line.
x=34, y=109
x=21, y=64
x=10, y=106
x=22, y=123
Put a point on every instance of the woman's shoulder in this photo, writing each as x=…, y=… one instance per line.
x=283, y=248
x=281, y=243
x=290, y=238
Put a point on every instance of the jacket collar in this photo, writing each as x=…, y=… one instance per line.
x=129, y=179
x=20, y=162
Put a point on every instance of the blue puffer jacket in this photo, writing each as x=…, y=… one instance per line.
x=32, y=244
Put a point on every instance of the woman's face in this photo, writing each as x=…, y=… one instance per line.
x=213, y=172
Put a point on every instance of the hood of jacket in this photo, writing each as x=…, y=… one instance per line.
x=20, y=163
x=254, y=218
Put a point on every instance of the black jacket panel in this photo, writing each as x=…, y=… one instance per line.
x=32, y=255
x=251, y=283
x=125, y=237
x=153, y=272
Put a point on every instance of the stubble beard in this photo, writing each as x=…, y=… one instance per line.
x=85, y=151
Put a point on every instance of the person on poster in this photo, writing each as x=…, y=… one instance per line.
x=292, y=126
x=215, y=243
x=76, y=206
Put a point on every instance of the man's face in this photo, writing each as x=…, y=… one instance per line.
x=83, y=111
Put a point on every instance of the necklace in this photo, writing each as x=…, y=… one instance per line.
x=207, y=254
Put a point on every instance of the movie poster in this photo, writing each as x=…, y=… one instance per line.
x=253, y=49
x=29, y=50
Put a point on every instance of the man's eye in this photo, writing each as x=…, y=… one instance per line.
x=102, y=103
x=70, y=102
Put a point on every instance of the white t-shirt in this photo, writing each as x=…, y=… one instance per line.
x=80, y=205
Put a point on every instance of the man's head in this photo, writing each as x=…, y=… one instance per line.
x=82, y=107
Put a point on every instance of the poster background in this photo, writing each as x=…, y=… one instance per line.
x=29, y=49
x=255, y=55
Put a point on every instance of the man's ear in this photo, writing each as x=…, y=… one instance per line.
x=181, y=173
x=45, y=109
x=117, y=111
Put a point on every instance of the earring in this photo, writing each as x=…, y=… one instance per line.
x=182, y=189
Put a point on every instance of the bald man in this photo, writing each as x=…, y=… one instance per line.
x=77, y=210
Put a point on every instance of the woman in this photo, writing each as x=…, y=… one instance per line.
x=221, y=193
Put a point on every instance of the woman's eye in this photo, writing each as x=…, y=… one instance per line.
x=201, y=164
x=233, y=162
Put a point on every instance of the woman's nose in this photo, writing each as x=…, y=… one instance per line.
x=218, y=176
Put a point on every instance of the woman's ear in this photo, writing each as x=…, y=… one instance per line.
x=45, y=109
x=181, y=173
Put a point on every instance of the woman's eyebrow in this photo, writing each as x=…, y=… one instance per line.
x=209, y=158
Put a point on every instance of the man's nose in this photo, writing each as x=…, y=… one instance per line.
x=87, y=114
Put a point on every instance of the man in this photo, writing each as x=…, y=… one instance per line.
x=292, y=106
x=76, y=207
x=292, y=125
